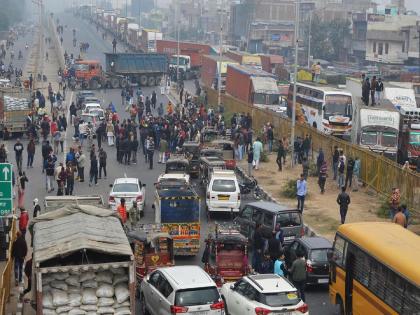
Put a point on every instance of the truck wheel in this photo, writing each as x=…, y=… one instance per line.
x=143, y=80
x=151, y=81
x=93, y=84
x=115, y=83
x=123, y=83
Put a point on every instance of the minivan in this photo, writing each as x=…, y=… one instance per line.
x=223, y=194
x=269, y=214
x=180, y=289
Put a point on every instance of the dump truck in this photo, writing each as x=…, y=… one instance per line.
x=82, y=262
x=15, y=107
x=121, y=69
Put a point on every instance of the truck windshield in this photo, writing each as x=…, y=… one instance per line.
x=369, y=138
x=389, y=139
x=415, y=137
x=81, y=67
x=182, y=61
x=337, y=105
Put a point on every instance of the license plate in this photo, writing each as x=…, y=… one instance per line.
x=322, y=280
x=288, y=238
x=223, y=198
x=200, y=313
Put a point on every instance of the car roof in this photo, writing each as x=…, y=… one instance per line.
x=127, y=180
x=270, y=283
x=92, y=104
x=187, y=277
x=270, y=206
x=316, y=242
x=224, y=174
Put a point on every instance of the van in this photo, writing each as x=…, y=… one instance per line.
x=223, y=194
x=180, y=289
x=269, y=214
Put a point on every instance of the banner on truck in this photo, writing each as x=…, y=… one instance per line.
x=371, y=117
x=401, y=97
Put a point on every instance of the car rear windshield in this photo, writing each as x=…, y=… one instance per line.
x=125, y=187
x=288, y=219
x=280, y=299
x=318, y=254
x=197, y=296
x=224, y=185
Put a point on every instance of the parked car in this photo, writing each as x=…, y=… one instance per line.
x=130, y=189
x=180, y=289
x=262, y=294
x=315, y=250
x=269, y=215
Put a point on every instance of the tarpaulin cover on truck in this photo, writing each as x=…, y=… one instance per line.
x=77, y=228
x=265, y=85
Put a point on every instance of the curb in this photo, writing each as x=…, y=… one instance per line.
x=309, y=231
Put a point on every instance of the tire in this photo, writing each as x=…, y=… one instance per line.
x=143, y=305
x=143, y=80
x=93, y=84
x=123, y=83
x=115, y=83
x=151, y=81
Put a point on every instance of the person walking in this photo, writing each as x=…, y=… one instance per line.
x=343, y=199
x=70, y=170
x=22, y=179
x=349, y=174
x=133, y=215
x=373, y=85
x=134, y=145
x=30, y=149
x=280, y=155
x=301, y=191
x=150, y=151
x=163, y=148
x=298, y=274
x=365, y=91
x=110, y=133
x=356, y=174
x=335, y=161
x=250, y=161
x=322, y=176
x=18, y=148
x=114, y=46
x=270, y=138
x=399, y=218
x=19, y=252
x=122, y=211
x=81, y=162
x=257, y=147
x=37, y=208
x=341, y=182
x=50, y=169
x=258, y=242
x=23, y=221
x=93, y=172
x=102, y=162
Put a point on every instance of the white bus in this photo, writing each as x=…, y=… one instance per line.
x=324, y=107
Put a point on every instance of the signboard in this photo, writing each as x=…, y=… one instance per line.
x=6, y=193
x=371, y=117
x=401, y=98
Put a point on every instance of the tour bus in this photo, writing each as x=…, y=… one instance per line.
x=374, y=269
x=324, y=107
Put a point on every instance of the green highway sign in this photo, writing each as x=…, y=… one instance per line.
x=6, y=194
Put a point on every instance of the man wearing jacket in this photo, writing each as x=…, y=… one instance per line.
x=19, y=251
x=343, y=200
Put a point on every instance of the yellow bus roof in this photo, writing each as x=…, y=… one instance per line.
x=389, y=243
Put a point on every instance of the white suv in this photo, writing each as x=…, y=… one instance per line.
x=180, y=289
x=223, y=194
x=262, y=295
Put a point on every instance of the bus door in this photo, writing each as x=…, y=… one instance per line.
x=350, y=264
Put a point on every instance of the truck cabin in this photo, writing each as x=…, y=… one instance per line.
x=410, y=144
x=86, y=69
x=183, y=61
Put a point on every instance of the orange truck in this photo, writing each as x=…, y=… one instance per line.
x=121, y=69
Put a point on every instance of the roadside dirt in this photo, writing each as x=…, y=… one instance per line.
x=321, y=211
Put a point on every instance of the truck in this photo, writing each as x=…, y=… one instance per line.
x=15, y=107
x=148, y=40
x=252, y=86
x=271, y=63
x=245, y=59
x=90, y=269
x=190, y=55
x=409, y=139
x=55, y=202
x=177, y=210
x=210, y=70
x=120, y=70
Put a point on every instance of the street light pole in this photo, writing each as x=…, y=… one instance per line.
x=292, y=137
x=309, y=40
x=177, y=43
x=219, y=77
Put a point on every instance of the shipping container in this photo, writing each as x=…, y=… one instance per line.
x=252, y=86
x=244, y=58
x=195, y=50
x=149, y=38
x=269, y=63
x=210, y=67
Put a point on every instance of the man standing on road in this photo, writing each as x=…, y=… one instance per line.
x=301, y=190
x=298, y=274
x=133, y=215
x=102, y=162
x=153, y=99
x=343, y=200
x=30, y=149
x=257, y=147
x=114, y=46
x=335, y=160
x=81, y=161
x=122, y=211
x=19, y=251
x=18, y=151
x=150, y=151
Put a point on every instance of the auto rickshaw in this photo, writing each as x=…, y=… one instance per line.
x=152, y=249
x=225, y=257
x=191, y=151
x=228, y=151
x=208, y=165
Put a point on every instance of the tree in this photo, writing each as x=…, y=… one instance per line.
x=327, y=37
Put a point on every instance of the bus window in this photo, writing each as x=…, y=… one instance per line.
x=339, y=251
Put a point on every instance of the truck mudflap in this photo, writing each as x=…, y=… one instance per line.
x=186, y=237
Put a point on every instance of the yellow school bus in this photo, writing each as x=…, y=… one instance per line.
x=375, y=269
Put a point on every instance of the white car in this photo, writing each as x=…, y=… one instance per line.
x=131, y=189
x=223, y=194
x=262, y=294
x=180, y=289
x=98, y=112
x=89, y=106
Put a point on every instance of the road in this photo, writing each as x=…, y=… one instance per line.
x=317, y=298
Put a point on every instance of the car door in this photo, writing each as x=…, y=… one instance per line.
x=236, y=299
x=251, y=295
x=165, y=290
x=244, y=219
x=151, y=294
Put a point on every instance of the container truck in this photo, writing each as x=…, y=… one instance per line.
x=190, y=55
x=252, y=86
x=270, y=63
x=210, y=69
x=245, y=58
x=409, y=140
x=149, y=38
x=120, y=70
x=90, y=270
x=15, y=107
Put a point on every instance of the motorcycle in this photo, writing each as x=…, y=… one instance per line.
x=248, y=186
